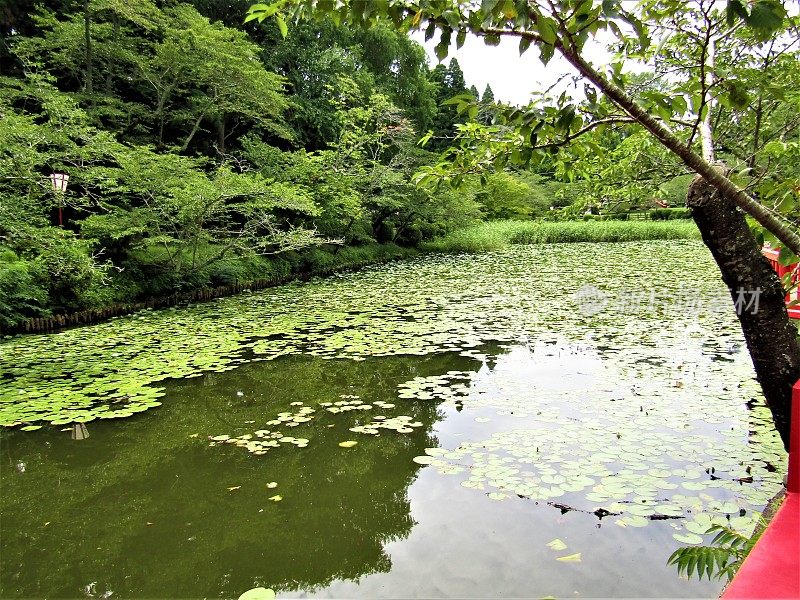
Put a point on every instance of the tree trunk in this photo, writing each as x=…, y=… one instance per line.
x=87, y=41
x=221, y=135
x=771, y=338
x=193, y=132
x=112, y=59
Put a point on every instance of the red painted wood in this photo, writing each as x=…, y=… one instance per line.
x=793, y=478
x=771, y=254
x=772, y=569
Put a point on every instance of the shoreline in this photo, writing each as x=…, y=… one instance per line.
x=484, y=237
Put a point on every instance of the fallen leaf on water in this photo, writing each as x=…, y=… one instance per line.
x=272, y=484
x=556, y=545
x=571, y=558
x=234, y=487
x=276, y=498
x=348, y=444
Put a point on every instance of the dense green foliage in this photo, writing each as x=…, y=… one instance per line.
x=200, y=148
x=202, y=151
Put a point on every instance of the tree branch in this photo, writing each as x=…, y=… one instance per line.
x=789, y=238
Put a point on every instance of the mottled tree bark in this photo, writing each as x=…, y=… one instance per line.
x=770, y=335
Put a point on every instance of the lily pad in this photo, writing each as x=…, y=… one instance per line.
x=689, y=538
x=258, y=593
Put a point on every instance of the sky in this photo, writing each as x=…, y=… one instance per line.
x=511, y=76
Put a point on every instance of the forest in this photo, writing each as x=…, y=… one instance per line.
x=202, y=151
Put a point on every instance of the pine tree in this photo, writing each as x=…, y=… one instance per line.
x=486, y=113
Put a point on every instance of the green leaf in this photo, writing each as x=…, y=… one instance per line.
x=735, y=8
x=424, y=460
x=689, y=538
x=546, y=53
x=282, y=26
x=460, y=37
x=546, y=30
x=610, y=8
x=786, y=257
x=766, y=17
x=441, y=50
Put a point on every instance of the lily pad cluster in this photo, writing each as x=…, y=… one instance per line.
x=262, y=443
x=400, y=424
x=643, y=453
x=289, y=419
x=437, y=304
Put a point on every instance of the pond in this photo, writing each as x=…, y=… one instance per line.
x=543, y=421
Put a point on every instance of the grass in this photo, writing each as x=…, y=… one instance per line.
x=496, y=235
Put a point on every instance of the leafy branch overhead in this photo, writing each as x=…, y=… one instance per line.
x=648, y=30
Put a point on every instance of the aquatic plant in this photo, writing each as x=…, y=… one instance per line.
x=722, y=558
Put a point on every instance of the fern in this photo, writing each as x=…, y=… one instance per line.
x=723, y=557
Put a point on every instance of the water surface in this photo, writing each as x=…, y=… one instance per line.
x=617, y=420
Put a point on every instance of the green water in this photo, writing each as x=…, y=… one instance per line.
x=515, y=410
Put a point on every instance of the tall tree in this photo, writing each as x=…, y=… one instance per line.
x=486, y=114
x=450, y=83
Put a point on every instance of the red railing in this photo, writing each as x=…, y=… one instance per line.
x=771, y=254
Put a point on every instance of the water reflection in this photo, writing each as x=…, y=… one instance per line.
x=162, y=513
x=153, y=508
x=636, y=405
x=79, y=431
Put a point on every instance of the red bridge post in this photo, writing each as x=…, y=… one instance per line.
x=793, y=478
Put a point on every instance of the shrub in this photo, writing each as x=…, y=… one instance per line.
x=668, y=214
x=22, y=296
